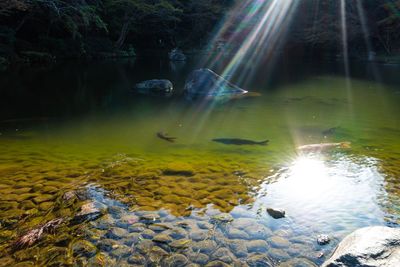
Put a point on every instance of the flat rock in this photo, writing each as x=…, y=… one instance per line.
x=370, y=246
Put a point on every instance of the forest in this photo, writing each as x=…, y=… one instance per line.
x=43, y=30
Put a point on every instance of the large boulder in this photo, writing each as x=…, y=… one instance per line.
x=367, y=247
x=176, y=55
x=204, y=83
x=155, y=87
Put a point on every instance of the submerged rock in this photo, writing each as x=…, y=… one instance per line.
x=155, y=87
x=204, y=83
x=276, y=213
x=176, y=55
x=370, y=246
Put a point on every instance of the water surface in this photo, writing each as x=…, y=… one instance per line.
x=77, y=127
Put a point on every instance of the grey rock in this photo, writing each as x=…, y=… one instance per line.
x=237, y=234
x=223, y=254
x=297, y=262
x=205, y=246
x=278, y=242
x=162, y=238
x=121, y=251
x=176, y=55
x=238, y=248
x=258, y=260
x=370, y=246
x=257, y=246
x=155, y=87
x=276, y=213
x=83, y=248
x=176, y=260
x=198, y=235
x=204, y=83
x=137, y=259
x=278, y=254
x=323, y=240
x=117, y=233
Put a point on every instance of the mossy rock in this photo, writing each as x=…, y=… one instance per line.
x=179, y=169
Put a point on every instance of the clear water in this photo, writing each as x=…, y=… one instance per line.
x=76, y=127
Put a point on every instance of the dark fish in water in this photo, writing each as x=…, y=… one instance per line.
x=323, y=147
x=239, y=142
x=165, y=137
x=330, y=131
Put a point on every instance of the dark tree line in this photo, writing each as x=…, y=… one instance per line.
x=87, y=28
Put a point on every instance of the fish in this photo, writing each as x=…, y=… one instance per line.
x=165, y=137
x=330, y=131
x=323, y=146
x=239, y=142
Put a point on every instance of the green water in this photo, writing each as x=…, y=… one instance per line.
x=75, y=127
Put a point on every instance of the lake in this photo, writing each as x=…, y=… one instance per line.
x=78, y=145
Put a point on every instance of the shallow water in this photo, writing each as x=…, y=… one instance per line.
x=76, y=127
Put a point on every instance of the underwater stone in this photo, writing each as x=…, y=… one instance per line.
x=204, y=225
x=257, y=231
x=159, y=227
x=43, y=198
x=257, y=246
x=107, y=244
x=221, y=218
x=162, y=238
x=145, y=245
x=132, y=239
x=198, y=235
x=44, y=206
x=237, y=234
x=178, y=233
x=176, y=260
x=205, y=246
x=238, y=247
x=83, y=248
x=257, y=260
x=148, y=234
x=179, y=169
x=150, y=217
x=180, y=244
x=137, y=259
x=278, y=242
x=217, y=263
x=156, y=255
x=298, y=262
x=199, y=258
x=101, y=260
x=117, y=233
x=87, y=212
x=223, y=254
x=278, y=254
x=121, y=251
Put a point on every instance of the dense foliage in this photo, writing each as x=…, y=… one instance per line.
x=42, y=29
